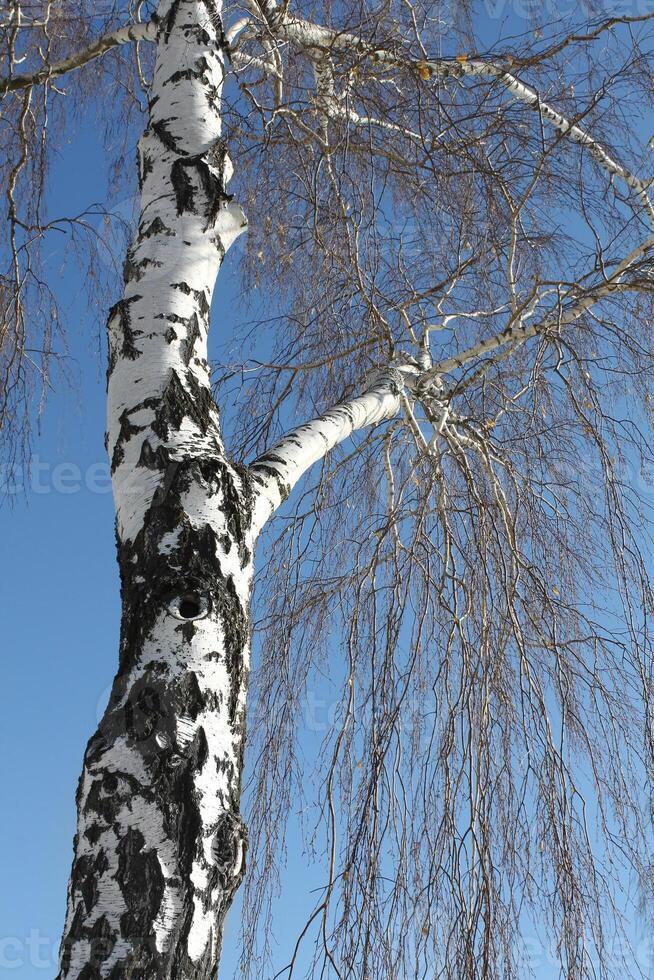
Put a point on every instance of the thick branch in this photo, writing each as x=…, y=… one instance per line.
x=124, y=35
x=276, y=472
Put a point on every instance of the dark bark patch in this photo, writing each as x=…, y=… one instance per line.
x=189, y=74
x=131, y=268
x=272, y=474
x=98, y=801
x=128, y=348
x=192, y=337
x=177, y=403
x=103, y=939
x=142, y=884
x=199, y=295
x=188, y=697
x=146, y=167
x=183, y=187
x=160, y=129
x=153, y=459
x=228, y=846
x=143, y=710
x=90, y=972
x=169, y=20
x=94, y=833
x=210, y=182
x=125, y=433
x=157, y=227
x=235, y=625
x=84, y=881
x=216, y=22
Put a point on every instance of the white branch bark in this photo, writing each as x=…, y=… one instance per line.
x=124, y=35
x=276, y=472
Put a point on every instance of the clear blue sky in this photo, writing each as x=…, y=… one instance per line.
x=60, y=635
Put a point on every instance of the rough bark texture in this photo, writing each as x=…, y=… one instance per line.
x=160, y=848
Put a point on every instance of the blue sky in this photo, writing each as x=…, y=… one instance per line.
x=60, y=635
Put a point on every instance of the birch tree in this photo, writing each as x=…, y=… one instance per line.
x=447, y=242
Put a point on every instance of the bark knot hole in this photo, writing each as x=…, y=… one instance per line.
x=189, y=606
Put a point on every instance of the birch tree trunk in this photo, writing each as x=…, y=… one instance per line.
x=160, y=846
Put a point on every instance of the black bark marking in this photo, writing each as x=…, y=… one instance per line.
x=229, y=848
x=143, y=710
x=84, y=881
x=216, y=23
x=190, y=74
x=210, y=182
x=131, y=268
x=272, y=474
x=90, y=972
x=198, y=294
x=271, y=458
x=236, y=626
x=189, y=699
x=237, y=507
x=192, y=337
x=157, y=227
x=169, y=20
x=103, y=939
x=125, y=433
x=142, y=884
x=177, y=403
x=75, y=933
x=160, y=130
x=128, y=347
x=153, y=459
x=183, y=187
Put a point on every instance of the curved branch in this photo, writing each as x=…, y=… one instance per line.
x=275, y=473
x=124, y=35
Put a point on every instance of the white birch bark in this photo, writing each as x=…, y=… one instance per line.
x=275, y=473
x=160, y=845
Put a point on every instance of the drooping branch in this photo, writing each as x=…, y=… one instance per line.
x=277, y=471
x=124, y=35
